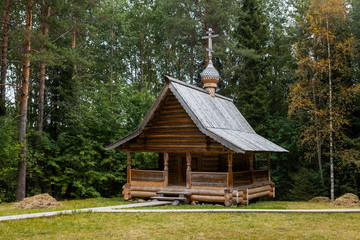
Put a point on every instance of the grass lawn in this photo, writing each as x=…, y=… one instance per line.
x=185, y=225
x=6, y=208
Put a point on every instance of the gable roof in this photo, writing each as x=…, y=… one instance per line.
x=216, y=117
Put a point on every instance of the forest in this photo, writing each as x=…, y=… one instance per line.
x=79, y=75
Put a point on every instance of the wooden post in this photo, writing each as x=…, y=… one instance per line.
x=230, y=171
x=251, y=160
x=128, y=155
x=269, y=167
x=188, y=170
x=166, y=169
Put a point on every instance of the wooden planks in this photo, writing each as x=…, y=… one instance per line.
x=242, y=178
x=260, y=176
x=210, y=162
x=209, y=179
x=147, y=175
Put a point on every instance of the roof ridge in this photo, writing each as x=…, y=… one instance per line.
x=170, y=79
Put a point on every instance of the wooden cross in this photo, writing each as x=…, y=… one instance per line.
x=210, y=36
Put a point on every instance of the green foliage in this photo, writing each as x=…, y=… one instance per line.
x=306, y=184
x=9, y=149
x=99, y=91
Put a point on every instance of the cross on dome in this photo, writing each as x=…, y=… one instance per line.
x=210, y=36
x=210, y=76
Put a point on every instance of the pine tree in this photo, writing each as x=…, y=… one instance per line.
x=249, y=81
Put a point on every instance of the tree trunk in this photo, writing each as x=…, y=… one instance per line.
x=73, y=42
x=317, y=134
x=21, y=182
x=4, y=58
x=142, y=60
x=331, y=140
x=45, y=11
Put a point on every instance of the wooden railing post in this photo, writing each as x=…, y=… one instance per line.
x=188, y=170
x=269, y=167
x=166, y=169
x=230, y=171
x=251, y=161
x=128, y=172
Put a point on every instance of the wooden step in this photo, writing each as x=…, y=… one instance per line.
x=166, y=193
x=181, y=199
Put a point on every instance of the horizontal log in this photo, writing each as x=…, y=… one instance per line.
x=181, y=114
x=215, y=145
x=176, y=139
x=171, y=102
x=259, y=189
x=205, y=198
x=171, y=116
x=172, y=125
x=175, y=134
x=147, y=171
x=241, y=183
x=211, y=173
x=173, y=150
x=175, y=130
x=176, y=144
x=259, y=194
x=145, y=188
x=196, y=191
x=172, y=120
x=142, y=194
x=206, y=184
x=147, y=183
x=170, y=109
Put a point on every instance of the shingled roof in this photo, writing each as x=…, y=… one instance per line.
x=216, y=117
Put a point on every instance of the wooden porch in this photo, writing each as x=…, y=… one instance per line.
x=229, y=187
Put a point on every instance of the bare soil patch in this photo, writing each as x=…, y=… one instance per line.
x=347, y=200
x=37, y=201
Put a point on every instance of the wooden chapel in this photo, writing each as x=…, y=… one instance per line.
x=207, y=150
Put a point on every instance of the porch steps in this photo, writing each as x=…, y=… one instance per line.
x=172, y=196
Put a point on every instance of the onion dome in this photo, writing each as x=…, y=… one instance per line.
x=210, y=77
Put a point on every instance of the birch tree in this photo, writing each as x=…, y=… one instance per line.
x=323, y=89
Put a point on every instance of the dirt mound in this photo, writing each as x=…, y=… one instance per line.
x=320, y=200
x=37, y=201
x=347, y=200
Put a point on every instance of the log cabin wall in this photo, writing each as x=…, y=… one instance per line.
x=240, y=162
x=171, y=129
x=210, y=162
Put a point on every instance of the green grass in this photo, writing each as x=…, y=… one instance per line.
x=7, y=209
x=262, y=205
x=184, y=225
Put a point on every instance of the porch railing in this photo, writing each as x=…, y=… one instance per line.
x=209, y=179
x=147, y=175
x=201, y=179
